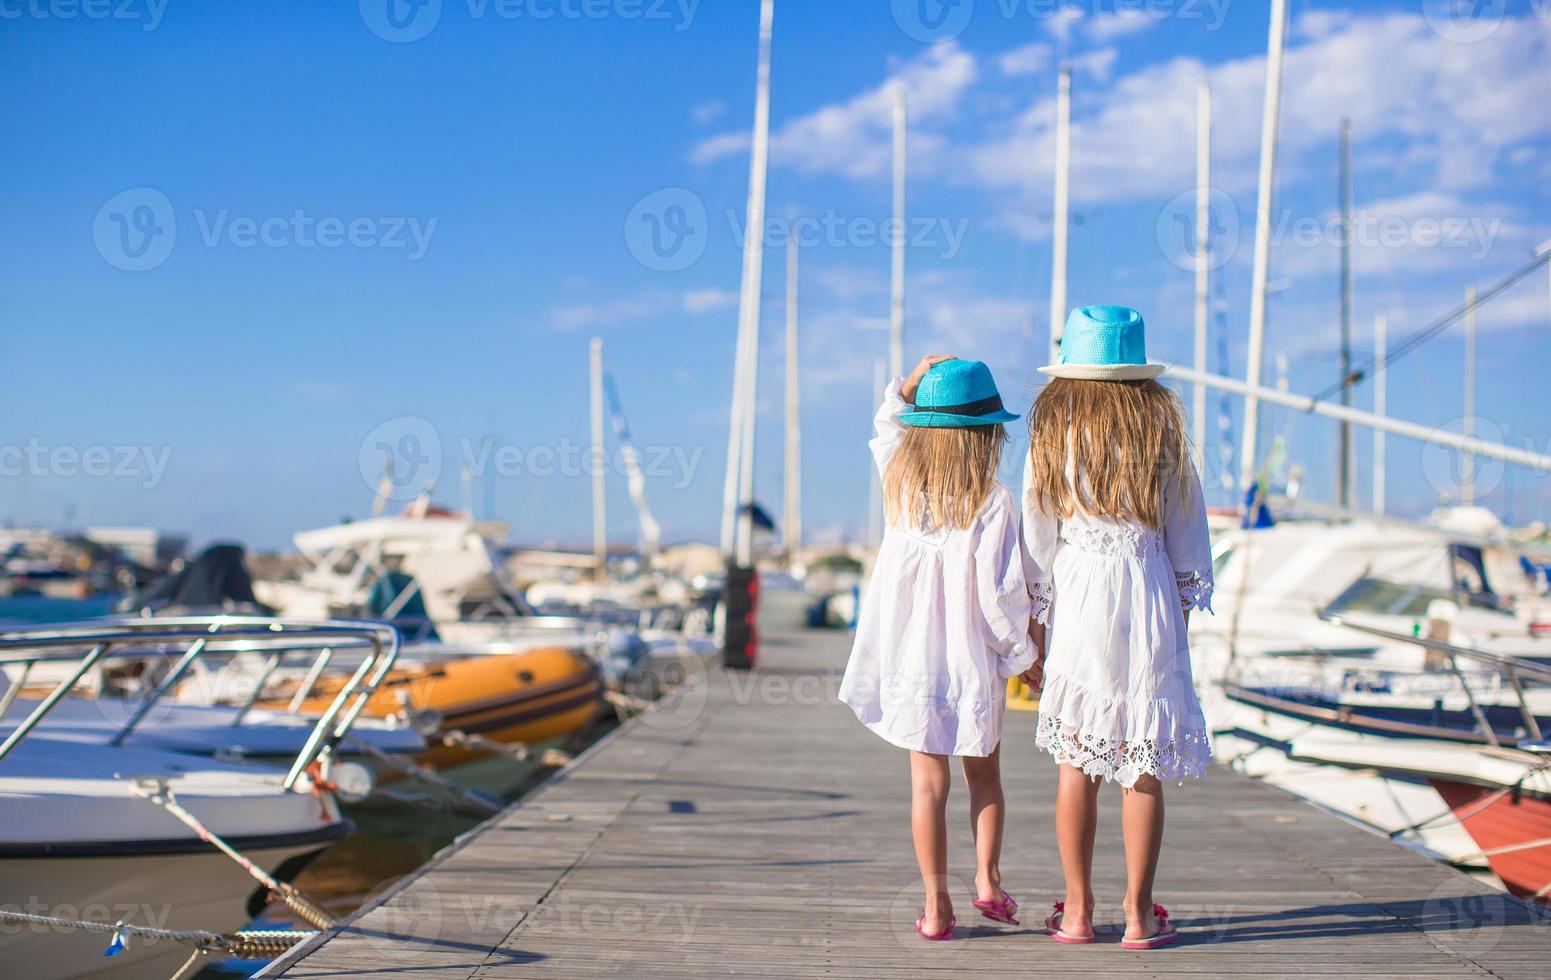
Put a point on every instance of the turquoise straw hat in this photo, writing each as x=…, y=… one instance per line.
x=955, y=395
x=1104, y=343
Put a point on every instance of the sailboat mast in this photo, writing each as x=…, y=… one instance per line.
x=1060, y=215
x=1203, y=263
x=1257, y=309
x=599, y=538
x=1468, y=483
x=1380, y=407
x=737, y=489
x=897, y=276
x=793, y=521
x=1344, y=463
x=874, y=534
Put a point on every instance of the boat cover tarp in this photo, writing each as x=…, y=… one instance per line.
x=217, y=579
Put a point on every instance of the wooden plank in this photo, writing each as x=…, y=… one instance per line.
x=751, y=827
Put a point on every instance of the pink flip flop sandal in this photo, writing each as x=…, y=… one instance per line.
x=947, y=933
x=1001, y=910
x=1166, y=934
x=1053, y=927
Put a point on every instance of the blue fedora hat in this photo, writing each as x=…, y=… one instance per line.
x=1104, y=343
x=956, y=394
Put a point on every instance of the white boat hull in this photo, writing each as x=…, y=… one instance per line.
x=201, y=890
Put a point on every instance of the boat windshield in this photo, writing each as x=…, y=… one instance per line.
x=1375, y=595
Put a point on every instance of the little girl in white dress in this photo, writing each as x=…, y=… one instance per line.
x=1118, y=554
x=945, y=620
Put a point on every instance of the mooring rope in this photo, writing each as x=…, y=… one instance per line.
x=409, y=767
x=159, y=792
x=519, y=751
x=251, y=944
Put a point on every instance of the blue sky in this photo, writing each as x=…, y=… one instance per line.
x=246, y=243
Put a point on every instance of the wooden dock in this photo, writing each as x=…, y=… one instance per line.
x=752, y=827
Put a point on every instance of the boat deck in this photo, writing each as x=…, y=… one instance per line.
x=751, y=826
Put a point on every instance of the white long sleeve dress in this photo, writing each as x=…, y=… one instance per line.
x=1119, y=700
x=943, y=625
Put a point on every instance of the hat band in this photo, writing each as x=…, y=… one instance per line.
x=984, y=406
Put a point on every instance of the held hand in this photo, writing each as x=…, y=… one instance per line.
x=1034, y=677
x=908, y=392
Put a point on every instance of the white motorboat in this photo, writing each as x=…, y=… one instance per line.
x=1274, y=674
x=1499, y=797
x=434, y=570
x=197, y=706
x=81, y=838
x=256, y=734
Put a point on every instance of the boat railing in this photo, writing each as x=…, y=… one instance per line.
x=1513, y=671
x=187, y=640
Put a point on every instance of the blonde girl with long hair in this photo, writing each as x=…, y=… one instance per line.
x=945, y=620
x=1118, y=555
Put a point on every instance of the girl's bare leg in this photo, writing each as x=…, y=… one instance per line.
x=1077, y=810
x=987, y=815
x=929, y=781
x=1142, y=821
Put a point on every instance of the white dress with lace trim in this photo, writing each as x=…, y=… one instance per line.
x=1119, y=700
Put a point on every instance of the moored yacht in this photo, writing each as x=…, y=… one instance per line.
x=84, y=837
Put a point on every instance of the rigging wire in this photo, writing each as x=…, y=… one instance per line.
x=1430, y=331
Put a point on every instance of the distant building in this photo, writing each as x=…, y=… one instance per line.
x=142, y=545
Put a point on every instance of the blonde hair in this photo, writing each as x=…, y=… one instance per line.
x=941, y=477
x=1126, y=438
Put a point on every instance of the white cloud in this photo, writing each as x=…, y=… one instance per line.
x=1121, y=23
x=1096, y=64
x=709, y=300
x=708, y=112
x=1060, y=23
x=1027, y=60
x=642, y=306
x=853, y=137
x=1522, y=307
x=716, y=147
x=1458, y=107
